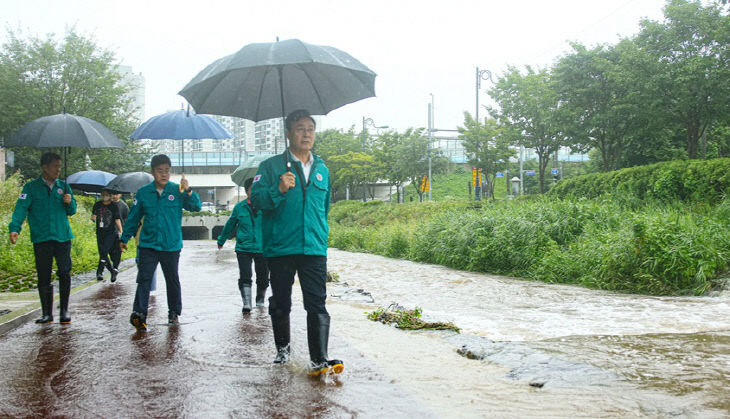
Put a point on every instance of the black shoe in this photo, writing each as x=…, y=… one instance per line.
x=64, y=318
x=115, y=272
x=46, y=318
x=260, y=296
x=99, y=277
x=172, y=319
x=318, y=368
x=282, y=355
x=246, y=296
x=138, y=320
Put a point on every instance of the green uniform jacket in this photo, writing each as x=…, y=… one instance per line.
x=295, y=222
x=46, y=212
x=248, y=233
x=162, y=229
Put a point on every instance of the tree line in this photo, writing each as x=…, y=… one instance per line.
x=662, y=94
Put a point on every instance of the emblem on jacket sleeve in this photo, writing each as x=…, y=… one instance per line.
x=256, y=178
x=23, y=196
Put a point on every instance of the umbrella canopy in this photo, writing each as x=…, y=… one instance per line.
x=248, y=169
x=90, y=180
x=269, y=80
x=181, y=125
x=64, y=130
x=129, y=182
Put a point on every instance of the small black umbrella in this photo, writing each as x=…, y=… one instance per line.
x=64, y=130
x=269, y=80
x=129, y=182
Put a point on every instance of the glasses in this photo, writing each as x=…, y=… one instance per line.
x=304, y=130
x=162, y=171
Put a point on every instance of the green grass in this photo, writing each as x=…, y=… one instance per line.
x=679, y=249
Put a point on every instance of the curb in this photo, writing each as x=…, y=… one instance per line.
x=25, y=314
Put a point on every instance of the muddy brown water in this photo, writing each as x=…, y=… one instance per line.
x=526, y=349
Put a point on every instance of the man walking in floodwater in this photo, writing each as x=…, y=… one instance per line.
x=292, y=189
x=48, y=202
x=161, y=204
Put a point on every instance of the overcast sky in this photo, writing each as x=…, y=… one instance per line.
x=417, y=48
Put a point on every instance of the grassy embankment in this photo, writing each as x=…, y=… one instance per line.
x=17, y=263
x=661, y=238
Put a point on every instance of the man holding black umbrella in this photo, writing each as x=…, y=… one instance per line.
x=48, y=202
x=295, y=204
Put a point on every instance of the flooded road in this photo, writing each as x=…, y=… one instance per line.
x=526, y=349
x=637, y=355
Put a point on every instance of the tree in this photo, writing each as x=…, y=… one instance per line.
x=331, y=143
x=692, y=47
x=528, y=109
x=354, y=169
x=487, y=147
x=40, y=77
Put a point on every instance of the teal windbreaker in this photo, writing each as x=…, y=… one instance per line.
x=247, y=228
x=295, y=222
x=162, y=228
x=46, y=212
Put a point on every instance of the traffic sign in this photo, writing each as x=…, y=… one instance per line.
x=500, y=174
x=530, y=172
x=554, y=172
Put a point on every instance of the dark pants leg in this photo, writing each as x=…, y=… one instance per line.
x=44, y=265
x=312, y=272
x=244, y=268
x=116, y=252
x=169, y=262
x=262, y=270
x=146, y=267
x=62, y=254
x=105, y=243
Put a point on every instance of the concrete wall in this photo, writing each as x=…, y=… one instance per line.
x=203, y=227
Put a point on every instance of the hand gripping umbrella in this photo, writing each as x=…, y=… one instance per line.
x=269, y=80
x=64, y=130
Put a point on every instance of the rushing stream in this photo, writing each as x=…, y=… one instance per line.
x=649, y=355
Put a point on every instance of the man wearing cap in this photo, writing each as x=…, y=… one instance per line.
x=48, y=202
x=292, y=190
x=160, y=240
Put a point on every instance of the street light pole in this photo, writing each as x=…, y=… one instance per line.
x=481, y=75
x=364, y=133
x=428, y=147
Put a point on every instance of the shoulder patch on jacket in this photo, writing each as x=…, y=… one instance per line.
x=23, y=196
x=256, y=178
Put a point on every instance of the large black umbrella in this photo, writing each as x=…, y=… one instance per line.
x=64, y=130
x=129, y=182
x=269, y=80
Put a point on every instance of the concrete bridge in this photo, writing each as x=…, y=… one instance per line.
x=203, y=227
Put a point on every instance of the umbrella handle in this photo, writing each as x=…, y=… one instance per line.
x=180, y=185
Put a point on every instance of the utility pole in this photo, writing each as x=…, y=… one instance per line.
x=428, y=149
x=481, y=75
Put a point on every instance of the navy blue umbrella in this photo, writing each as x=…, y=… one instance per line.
x=90, y=180
x=181, y=125
x=129, y=182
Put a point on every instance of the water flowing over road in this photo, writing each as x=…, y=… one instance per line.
x=526, y=349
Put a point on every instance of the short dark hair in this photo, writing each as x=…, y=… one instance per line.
x=294, y=116
x=49, y=157
x=247, y=183
x=160, y=159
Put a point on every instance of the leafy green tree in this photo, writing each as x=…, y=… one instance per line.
x=40, y=77
x=692, y=47
x=487, y=147
x=354, y=170
x=528, y=109
x=334, y=142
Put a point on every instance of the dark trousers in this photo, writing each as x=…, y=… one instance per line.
x=312, y=272
x=244, y=269
x=45, y=252
x=105, y=241
x=116, y=252
x=148, y=260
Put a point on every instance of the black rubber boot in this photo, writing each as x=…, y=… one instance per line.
x=318, y=332
x=100, y=271
x=246, y=296
x=46, y=295
x=260, y=296
x=64, y=290
x=281, y=338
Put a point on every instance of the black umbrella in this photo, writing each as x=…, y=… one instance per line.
x=129, y=182
x=269, y=80
x=64, y=130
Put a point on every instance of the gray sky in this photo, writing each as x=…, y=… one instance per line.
x=415, y=47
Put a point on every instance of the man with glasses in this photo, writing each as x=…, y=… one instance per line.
x=161, y=204
x=292, y=190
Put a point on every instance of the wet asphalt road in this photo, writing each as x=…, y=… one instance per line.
x=216, y=363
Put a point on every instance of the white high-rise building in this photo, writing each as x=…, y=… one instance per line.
x=137, y=83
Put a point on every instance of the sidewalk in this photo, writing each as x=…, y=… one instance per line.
x=16, y=308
